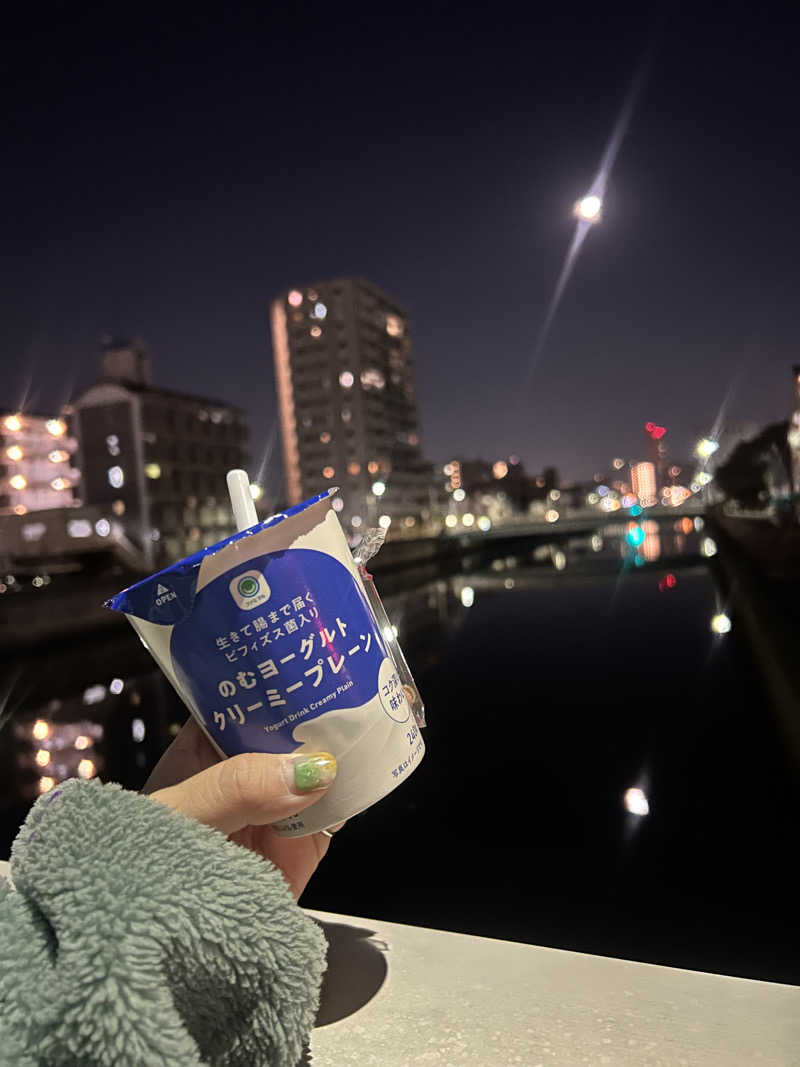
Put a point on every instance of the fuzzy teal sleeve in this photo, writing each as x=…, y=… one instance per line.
x=138, y=937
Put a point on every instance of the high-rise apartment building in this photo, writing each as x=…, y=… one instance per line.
x=348, y=412
x=155, y=458
x=36, y=471
x=643, y=482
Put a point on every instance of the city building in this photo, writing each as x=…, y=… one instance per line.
x=643, y=482
x=156, y=459
x=655, y=437
x=348, y=411
x=36, y=471
x=507, y=477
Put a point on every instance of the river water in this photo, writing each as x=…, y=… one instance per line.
x=555, y=681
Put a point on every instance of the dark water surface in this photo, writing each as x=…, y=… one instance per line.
x=553, y=684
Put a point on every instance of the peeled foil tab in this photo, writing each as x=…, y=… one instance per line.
x=369, y=545
x=271, y=640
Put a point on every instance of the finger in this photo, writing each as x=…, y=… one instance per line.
x=253, y=789
x=190, y=752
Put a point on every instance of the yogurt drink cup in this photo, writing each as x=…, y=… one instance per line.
x=270, y=642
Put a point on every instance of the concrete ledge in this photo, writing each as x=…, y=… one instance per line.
x=397, y=995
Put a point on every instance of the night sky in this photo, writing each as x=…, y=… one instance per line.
x=165, y=177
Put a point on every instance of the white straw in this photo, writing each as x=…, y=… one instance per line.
x=244, y=510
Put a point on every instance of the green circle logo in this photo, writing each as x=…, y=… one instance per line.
x=247, y=586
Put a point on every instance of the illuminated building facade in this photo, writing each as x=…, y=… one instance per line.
x=348, y=412
x=643, y=482
x=656, y=451
x=36, y=471
x=155, y=460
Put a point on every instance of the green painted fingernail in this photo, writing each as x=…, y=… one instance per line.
x=314, y=772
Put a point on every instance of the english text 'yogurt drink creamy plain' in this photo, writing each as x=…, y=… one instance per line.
x=269, y=640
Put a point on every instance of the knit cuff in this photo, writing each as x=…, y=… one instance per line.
x=171, y=942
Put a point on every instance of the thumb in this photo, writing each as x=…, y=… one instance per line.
x=252, y=789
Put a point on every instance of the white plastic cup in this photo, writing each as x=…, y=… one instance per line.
x=269, y=640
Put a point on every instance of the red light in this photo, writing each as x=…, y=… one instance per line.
x=668, y=582
x=656, y=432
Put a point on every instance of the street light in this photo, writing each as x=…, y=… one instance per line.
x=589, y=208
x=706, y=448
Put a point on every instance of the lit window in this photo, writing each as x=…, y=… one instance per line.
x=394, y=326
x=152, y=470
x=59, y=483
x=295, y=298
x=118, y=507
x=346, y=380
x=33, y=531
x=459, y=495
x=372, y=379
x=15, y=453
x=86, y=769
x=102, y=527
x=468, y=519
x=116, y=686
x=41, y=729
x=17, y=482
x=338, y=504
x=354, y=468
x=346, y=414
x=500, y=469
x=312, y=294
x=58, y=455
x=328, y=472
x=385, y=522
x=378, y=488
x=79, y=528
x=116, y=477
x=373, y=466
x=202, y=415
x=451, y=521
x=55, y=427
x=413, y=439
x=315, y=331
x=20, y=509
x=307, y=421
x=112, y=442
x=320, y=311
x=355, y=521
x=216, y=417
x=13, y=423
x=45, y=783
x=325, y=437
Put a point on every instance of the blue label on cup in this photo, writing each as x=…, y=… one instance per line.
x=275, y=642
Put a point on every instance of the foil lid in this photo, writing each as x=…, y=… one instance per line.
x=369, y=546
